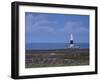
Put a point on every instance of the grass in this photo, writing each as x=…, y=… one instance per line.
x=75, y=57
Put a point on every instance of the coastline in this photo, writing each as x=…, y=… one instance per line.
x=58, y=50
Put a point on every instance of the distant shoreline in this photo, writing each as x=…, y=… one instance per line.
x=58, y=50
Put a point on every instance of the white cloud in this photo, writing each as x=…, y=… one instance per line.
x=39, y=24
x=74, y=27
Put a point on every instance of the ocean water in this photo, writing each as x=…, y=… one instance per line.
x=45, y=46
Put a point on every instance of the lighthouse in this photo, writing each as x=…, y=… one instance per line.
x=71, y=41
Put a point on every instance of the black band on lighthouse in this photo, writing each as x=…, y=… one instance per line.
x=71, y=41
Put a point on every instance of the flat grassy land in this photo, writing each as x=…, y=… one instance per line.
x=55, y=58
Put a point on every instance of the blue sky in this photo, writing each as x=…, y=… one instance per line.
x=56, y=28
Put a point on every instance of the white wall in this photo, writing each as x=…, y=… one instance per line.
x=5, y=40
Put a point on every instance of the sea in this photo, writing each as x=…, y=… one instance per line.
x=46, y=46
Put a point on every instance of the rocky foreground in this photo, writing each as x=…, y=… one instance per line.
x=56, y=57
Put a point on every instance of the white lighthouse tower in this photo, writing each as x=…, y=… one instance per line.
x=71, y=41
